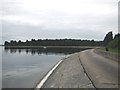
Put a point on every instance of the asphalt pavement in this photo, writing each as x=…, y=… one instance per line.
x=69, y=74
x=85, y=69
x=103, y=72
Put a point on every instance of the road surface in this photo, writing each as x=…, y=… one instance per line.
x=103, y=72
x=69, y=74
x=84, y=69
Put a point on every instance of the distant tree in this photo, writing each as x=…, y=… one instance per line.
x=19, y=43
x=92, y=42
x=11, y=41
x=115, y=43
x=32, y=39
x=108, y=38
x=117, y=36
x=6, y=43
x=26, y=40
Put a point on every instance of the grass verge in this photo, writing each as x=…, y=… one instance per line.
x=112, y=50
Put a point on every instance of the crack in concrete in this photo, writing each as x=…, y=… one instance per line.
x=85, y=85
x=86, y=73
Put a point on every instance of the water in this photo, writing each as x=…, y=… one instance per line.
x=24, y=68
x=0, y=68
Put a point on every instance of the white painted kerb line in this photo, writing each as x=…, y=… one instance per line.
x=46, y=77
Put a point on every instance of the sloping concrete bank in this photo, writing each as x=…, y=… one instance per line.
x=69, y=74
x=108, y=55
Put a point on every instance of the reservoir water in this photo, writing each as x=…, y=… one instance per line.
x=24, y=68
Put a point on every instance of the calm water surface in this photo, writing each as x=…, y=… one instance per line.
x=0, y=68
x=23, y=68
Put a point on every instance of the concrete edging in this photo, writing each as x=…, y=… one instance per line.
x=47, y=75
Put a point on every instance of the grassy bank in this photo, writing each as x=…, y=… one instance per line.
x=112, y=50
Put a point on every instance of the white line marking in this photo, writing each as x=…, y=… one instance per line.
x=46, y=77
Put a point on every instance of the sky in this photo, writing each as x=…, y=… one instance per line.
x=78, y=19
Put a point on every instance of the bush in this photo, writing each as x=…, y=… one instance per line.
x=114, y=43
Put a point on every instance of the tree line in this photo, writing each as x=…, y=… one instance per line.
x=63, y=42
x=112, y=42
x=54, y=42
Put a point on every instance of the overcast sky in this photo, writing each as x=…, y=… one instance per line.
x=81, y=19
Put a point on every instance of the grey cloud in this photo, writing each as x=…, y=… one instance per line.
x=16, y=32
x=20, y=22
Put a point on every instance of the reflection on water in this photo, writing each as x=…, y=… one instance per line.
x=23, y=68
x=0, y=68
x=46, y=51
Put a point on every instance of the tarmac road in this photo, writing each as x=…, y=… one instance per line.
x=103, y=72
x=84, y=69
x=69, y=74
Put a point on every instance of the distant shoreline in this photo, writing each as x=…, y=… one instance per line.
x=52, y=46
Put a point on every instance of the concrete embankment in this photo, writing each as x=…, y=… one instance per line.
x=69, y=74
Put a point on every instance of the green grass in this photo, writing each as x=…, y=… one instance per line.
x=112, y=50
x=113, y=46
x=102, y=49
